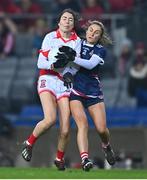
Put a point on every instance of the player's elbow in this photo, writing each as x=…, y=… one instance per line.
x=91, y=66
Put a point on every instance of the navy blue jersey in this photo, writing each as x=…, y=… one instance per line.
x=87, y=51
x=86, y=82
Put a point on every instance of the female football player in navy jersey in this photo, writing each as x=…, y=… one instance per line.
x=87, y=91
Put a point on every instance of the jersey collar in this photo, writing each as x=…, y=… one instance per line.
x=87, y=44
x=72, y=37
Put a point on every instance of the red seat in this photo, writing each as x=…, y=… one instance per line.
x=121, y=5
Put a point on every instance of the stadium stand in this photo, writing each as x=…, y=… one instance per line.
x=7, y=74
x=23, y=45
x=116, y=117
x=24, y=86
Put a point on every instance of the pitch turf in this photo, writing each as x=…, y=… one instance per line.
x=52, y=173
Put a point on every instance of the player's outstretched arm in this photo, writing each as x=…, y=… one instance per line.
x=91, y=63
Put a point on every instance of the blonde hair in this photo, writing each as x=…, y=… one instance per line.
x=105, y=38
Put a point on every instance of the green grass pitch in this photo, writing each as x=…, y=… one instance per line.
x=52, y=173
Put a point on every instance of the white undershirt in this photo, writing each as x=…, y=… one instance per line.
x=89, y=64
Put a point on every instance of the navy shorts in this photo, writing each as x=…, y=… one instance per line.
x=86, y=101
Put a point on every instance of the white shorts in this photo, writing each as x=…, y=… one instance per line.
x=53, y=85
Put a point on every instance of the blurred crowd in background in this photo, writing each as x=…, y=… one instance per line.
x=24, y=23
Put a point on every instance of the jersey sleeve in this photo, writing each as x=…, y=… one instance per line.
x=78, y=47
x=46, y=42
x=91, y=63
x=43, y=61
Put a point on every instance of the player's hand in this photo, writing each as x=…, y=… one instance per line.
x=69, y=52
x=60, y=63
x=65, y=58
x=68, y=80
x=65, y=55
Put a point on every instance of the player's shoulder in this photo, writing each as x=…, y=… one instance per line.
x=78, y=41
x=78, y=38
x=50, y=35
x=100, y=48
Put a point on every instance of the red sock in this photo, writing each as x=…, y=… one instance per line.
x=84, y=155
x=59, y=155
x=31, y=140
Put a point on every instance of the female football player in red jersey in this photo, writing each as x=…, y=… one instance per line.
x=51, y=89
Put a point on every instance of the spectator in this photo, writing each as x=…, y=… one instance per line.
x=92, y=9
x=60, y=5
x=7, y=36
x=137, y=84
x=40, y=29
x=139, y=51
x=121, y=5
x=125, y=57
x=8, y=6
x=29, y=7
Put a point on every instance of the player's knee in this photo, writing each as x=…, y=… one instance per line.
x=49, y=122
x=82, y=125
x=64, y=133
x=77, y=116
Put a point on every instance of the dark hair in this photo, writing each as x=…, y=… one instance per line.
x=75, y=15
x=5, y=29
x=104, y=39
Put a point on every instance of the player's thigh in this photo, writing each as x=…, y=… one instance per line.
x=78, y=113
x=98, y=114
x=49, y=105
x=64, y=112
